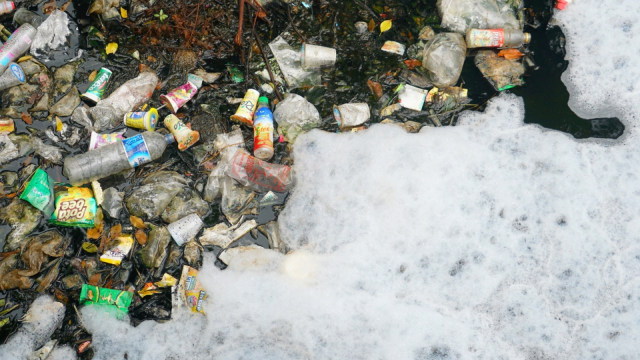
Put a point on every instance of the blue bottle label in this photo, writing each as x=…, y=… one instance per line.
x=136, y=149
x=17, y=72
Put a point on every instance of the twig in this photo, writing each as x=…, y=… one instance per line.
x=238, y=39
x=266, y=62
x=304, y=40
x=364, y=6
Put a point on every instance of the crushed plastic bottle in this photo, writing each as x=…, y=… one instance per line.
x=17, y=45
x=113, y=158
x=109, y=112
x=444, y=57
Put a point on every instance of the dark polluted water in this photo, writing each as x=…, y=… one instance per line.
x=201, y=34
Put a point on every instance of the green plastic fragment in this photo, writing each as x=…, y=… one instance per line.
x=39, y=192
x=236, y=74
x=115, y=302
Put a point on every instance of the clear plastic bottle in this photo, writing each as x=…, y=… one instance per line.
x=24, y=16
x=114, y=158
x=497, y=38
x=263, y=130
x=17, y=45
x=6, y=7
x=110, y=111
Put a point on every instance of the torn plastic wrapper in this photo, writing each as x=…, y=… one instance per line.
x=118, y=250
x=74, y=207
x=39, y=192
x=98, y=140
x=189, y=292
x=113, y=301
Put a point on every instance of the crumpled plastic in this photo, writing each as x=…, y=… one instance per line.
x=289, y=62
x=8, y=150
x=226, y=144
x=295, y=115
x=444, y=57
x=48, y=152
x=133, y=93
x=112, y=202
x=461, y=15
x=52, y=34
x=500, y=72
x=156, y=193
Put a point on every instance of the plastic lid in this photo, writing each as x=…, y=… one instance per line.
x=263, y=99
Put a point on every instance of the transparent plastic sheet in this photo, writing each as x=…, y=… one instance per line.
x=8, y=150
x=501, y=73
x=444, y=57
x=48, y=152
x=226, y=144
x=109, y=112
x=289, y=62
x=461, y=15
x=295, y=115
x=52, y=34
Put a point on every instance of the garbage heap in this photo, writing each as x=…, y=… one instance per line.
x=137, y=137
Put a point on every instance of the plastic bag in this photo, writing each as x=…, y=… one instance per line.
x=295, y=115
x=501, y=73
x=52, y=34
x=289, y=62
x=444, y=57
x=39, y=192
x=461, y=15
x=75, y=207
x=259, y=175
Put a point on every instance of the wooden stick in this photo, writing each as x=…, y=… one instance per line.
x=238, y=39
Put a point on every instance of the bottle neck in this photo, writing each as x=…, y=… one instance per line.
x=169, y=138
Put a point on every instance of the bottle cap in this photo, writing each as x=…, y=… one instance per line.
x=263, y=99
x=527, y=38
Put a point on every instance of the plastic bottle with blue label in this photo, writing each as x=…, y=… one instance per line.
x=19, y=43
x=114, y=158
x=12, y=76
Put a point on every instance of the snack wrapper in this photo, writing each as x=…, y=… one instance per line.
x=112, y=301
x=98, y=140
x=39, y=192
x=118, y=249
x=74, y=207
x=189, y=291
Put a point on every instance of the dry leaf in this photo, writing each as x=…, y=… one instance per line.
x=123, y=12
x=115, y=231
x=65, y=6
x=59, y=124
x=137, y=222
x=93, y=75
x=372, y=25
x=413, y=63
x=94, y=233
x=510, y=54
x=141, y=237
x=26, y=117
x=385, y=25
x=91, y=248
x=95, y=279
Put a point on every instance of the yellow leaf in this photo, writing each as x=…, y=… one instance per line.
x=385, y=25
x=93, y=75
x=59, y=124
x=123, y=12
x=111, y=48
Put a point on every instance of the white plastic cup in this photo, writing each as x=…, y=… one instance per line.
x=185, y=229
x=314, y=56
x=352, y=114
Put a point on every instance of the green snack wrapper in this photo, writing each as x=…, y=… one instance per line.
x=39, y=192
x=115, y=302
x=75, y=207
